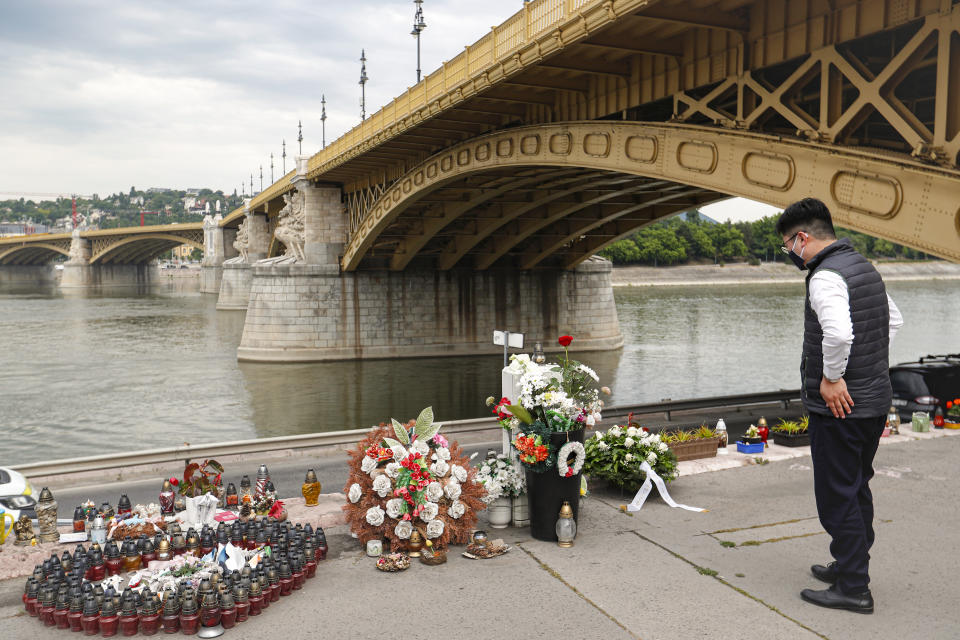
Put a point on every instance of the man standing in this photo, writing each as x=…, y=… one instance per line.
x=849, y=321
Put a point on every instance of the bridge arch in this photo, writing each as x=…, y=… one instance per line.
x=32, y=254
x=139, y=248
x=590, y=183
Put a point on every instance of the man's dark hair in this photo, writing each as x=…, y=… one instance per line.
x=809, y=215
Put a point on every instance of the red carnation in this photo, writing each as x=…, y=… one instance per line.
x=565, y=341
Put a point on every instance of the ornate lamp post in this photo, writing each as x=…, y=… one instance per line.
x=271, y=168
x=284, y=157
x=300, y=137
x=363, y=84
x=323, y=121
x=261, y=177
x=418, y=26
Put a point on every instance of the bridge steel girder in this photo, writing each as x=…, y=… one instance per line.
x=141, y=247
x=31, y=253
x=887, y=195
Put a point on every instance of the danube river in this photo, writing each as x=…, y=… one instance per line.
x=82, y=374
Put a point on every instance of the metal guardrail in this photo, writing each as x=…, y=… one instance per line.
x=351, y=436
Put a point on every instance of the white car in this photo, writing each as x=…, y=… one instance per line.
x=16, y=494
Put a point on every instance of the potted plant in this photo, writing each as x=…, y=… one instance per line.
x=503, y=481
x=952, y=418
x=692, y=444
x=790, y=433
x=617, y=455
x=557, y=401
x=751, y=442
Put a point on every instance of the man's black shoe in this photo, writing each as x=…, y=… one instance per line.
x=833, y=598
x=828, y=573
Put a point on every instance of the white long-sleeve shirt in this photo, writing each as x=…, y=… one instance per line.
x=830, y=300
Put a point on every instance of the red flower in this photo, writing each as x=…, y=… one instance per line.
x=174, y=481
x=569, y=473
x=565, y=341
x=406, y=516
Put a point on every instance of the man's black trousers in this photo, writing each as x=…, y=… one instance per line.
x=842, y=452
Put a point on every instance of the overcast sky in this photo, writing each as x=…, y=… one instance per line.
x=100, y=96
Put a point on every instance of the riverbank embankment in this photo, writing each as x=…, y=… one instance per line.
x=640, y=276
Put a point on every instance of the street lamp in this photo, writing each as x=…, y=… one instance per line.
x=284, y=157
x=261, y=177
x=418, y=26
x=251, y=185
x=271, y=168
x=323, y=121
x=363, y=84
x=300, y=136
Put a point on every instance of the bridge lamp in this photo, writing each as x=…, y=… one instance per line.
x=284, y=154
x=363, y=84
x=323, y=121
x=418, y=26
x=300, y=136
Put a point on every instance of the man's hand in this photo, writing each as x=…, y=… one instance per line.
x=836, y=396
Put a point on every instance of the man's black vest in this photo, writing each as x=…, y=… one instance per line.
x=867, y=374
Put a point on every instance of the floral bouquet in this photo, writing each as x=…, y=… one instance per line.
x=500, y=478
x=616, y=456
x=402, y=476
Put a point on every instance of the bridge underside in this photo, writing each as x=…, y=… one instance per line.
x=32, y=254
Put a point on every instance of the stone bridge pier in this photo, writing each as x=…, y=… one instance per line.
x=217, y=247
x=78, y=272
x=251, y=243
x=303, y=308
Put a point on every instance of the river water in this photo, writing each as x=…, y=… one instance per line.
x=84, y=373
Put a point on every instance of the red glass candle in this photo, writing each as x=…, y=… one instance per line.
x=205, y=550
x=46, y=616
x=149, y=623
x=129, y=625
x=320, y=553
x=286, y=584
x=228, y=617
x=97, y=572
x=33, y=606
x=60, y=617
x=109, y=625
x=298, y=578
x=274, y=592
x=311, y=568
x=265, y=594
x=147, y=558
x=171, y=622
x=243, y=610
x=763, y=431
x=114, y=565
x=189, y=623
x=210, y=616
x=256, y=605
x=90, y=624
x=73, y=619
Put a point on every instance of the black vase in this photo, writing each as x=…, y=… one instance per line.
x=547, y=491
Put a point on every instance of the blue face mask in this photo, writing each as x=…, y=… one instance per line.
x=797, y=259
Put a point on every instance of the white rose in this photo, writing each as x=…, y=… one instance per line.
x=421, y=447
x=394, y=508
x=434, y=491
x=439, y=468
x=399, y=452
x=382, y=485
x=628, y=457
x=429, y=511
x=662, y=447
x=603, y=445
x=458, y=472
x=354, y=493
x=494, y=490
x=452, y=490
x=652, y=458
x=443, y=453
x=632, y=432
x=435, y=528
x=368, y=464
x=375, y=516
x=403, y=529
x=629, y=442
x=392, y=469
x=456, y=509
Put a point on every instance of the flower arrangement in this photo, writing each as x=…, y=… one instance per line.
x=792, y=426
x=500, y=478
x=616, y=456
x=206, y=480
x=562, y=395
x=425, y=482
x=953, y=410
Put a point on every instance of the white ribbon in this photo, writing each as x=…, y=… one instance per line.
x=647, y=485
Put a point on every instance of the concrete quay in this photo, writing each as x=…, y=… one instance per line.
x=733, y=572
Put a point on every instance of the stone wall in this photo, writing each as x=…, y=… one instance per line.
x=108, y=275
x=312, y=313
x=210, y=277
x=235, y=286
x=17, y=274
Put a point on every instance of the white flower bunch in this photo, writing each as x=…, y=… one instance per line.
x=500, y=477
x=616, y=455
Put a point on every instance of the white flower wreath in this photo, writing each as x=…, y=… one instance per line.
x=576, y=448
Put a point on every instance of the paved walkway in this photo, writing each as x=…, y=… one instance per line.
x=734, y=572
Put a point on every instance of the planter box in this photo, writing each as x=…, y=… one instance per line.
x=695, y=449
x=791, y=439
x=745, y=447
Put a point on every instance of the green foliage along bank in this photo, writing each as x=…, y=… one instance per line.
x=682, y=240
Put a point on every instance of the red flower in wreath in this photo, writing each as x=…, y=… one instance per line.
x=565, y=341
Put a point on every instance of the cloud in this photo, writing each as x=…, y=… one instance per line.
x=101, y=95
